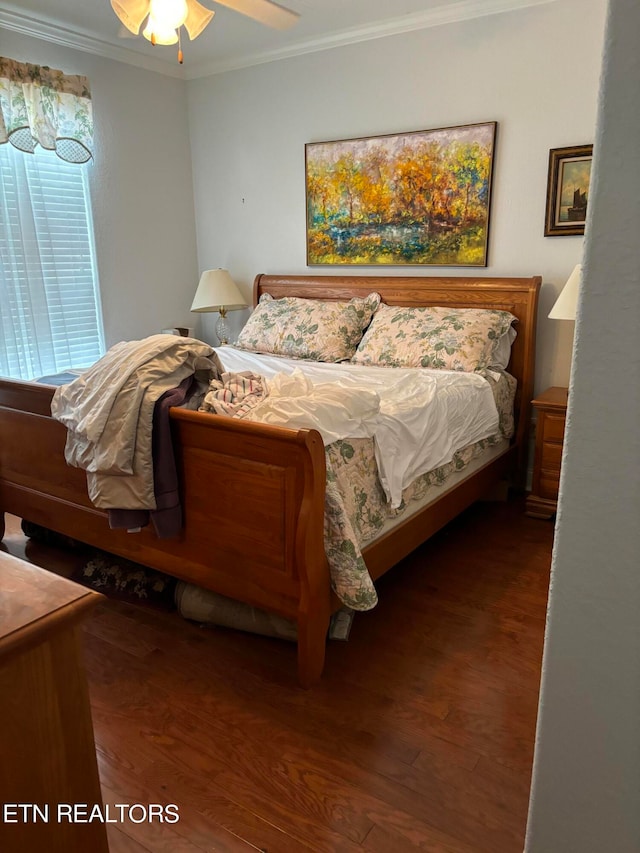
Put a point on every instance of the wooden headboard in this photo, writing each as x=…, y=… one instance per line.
x=517, y=295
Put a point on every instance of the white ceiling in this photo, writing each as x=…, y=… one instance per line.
x=232, y=40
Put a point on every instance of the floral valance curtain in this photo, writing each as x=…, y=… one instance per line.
x=39, y=105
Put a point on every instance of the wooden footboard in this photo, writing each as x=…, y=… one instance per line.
x=253, y=503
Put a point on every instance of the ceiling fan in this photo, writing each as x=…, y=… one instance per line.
x=164, y=18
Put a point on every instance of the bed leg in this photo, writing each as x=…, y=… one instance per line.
x=312, y=640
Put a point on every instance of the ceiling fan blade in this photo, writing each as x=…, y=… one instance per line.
x=265, y=11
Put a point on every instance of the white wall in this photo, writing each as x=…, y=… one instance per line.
x=535, y=71
x=141, y=188
x=586, y=788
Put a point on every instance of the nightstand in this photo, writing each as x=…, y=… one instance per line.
x=551, y=407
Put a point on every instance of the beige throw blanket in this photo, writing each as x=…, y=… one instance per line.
x=108, y=412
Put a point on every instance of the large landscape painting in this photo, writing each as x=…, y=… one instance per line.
x=407, y=198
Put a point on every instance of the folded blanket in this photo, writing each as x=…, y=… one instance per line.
x=234, y=394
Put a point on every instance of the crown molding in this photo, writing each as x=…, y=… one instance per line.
x=18, y=22
x=448, y=13
x=451, y=13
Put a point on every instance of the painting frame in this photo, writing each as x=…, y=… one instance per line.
x=567, y=164
x=391, y=223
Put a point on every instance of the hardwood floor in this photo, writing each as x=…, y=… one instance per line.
x=419, y=737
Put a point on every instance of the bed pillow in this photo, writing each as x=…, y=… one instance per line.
x=440, y=338
x=308, y=328
x=502, y=352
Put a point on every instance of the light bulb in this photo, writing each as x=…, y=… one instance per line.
x=169, y=14
x=159, y=33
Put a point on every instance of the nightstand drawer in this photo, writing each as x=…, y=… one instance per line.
x=549, y=485
x=551, y=456
x=553, y=427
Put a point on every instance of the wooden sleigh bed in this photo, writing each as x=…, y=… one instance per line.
x=253, y=494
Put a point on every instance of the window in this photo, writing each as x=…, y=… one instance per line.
x=50, y=318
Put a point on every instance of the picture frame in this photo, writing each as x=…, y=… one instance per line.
x=415, y=198
x=568, y=183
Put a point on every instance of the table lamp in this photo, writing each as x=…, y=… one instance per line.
x=217, y=291
x=565, y=305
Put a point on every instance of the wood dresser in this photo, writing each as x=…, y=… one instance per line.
x=46, y=732
x=551, y=407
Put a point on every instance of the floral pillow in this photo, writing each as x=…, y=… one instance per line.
x=308, y=328
x=441, y=338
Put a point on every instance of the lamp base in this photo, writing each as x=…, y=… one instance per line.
x=223, y=330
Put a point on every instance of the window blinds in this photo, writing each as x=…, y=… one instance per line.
x=50, y=317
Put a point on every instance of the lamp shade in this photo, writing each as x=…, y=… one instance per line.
x=216, y=291
x=566, y=303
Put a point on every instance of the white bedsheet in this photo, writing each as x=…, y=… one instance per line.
x=424, y=417
x=334, y=410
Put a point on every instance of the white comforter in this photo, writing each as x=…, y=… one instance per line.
x=423, y=416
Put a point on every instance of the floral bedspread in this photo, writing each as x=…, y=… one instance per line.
x=356, y=507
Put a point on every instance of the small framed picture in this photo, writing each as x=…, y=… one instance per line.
x=568, y=190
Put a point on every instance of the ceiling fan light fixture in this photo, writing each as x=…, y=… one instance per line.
x=198, y=17
x=165, y=17
x=168, y=14
x=158, y=33
x=131, y=12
